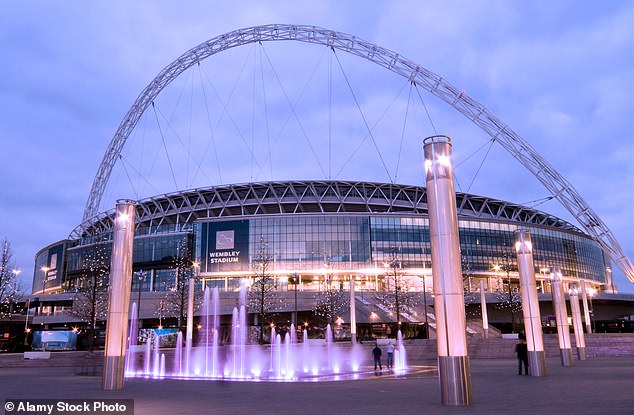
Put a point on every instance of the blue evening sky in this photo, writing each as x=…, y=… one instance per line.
x=560, y=73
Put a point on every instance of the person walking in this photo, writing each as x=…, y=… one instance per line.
x=522, y=356
x=376, y=352
x=390, y=355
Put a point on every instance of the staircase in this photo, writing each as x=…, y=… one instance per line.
x=474, y=327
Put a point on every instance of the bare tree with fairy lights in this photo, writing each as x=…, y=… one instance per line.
x=90, y=302
x=9, y=287
x=510, y=300
x=398, y=295
x=331, y=302
x=176, y=297
x=263, y=300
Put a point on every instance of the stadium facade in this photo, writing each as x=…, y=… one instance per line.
x=322, y=232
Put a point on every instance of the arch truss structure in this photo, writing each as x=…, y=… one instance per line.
x=512, y=142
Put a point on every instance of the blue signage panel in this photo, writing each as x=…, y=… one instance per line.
x=225, y=246
x=49, y=268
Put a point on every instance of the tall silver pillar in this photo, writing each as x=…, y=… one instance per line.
x=453, y=361
x=483, y=307
x=119, y=296
x=353, y=312
x=530, y=303
x=586, y=310
x=190, y=312
x=609, y=286
x=561, y=316
x=580, y=339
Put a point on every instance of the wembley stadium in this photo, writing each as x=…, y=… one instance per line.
x=319, y=235
x=316, y=228
x=315, y=235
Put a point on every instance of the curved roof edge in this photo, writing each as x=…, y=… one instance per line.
x=309, y=196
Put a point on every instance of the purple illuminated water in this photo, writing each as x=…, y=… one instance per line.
x=283, y=360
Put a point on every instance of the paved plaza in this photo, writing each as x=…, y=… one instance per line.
x=596, y=386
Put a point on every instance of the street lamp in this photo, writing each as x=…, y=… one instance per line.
x=543, y=271
x=161, y=304
x=190, y=305
x=141, y=278
x=12, y=295
x=425, y=305
x=293, y=279
x=591, y=293
x=45, y=271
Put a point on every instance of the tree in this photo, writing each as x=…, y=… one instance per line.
x=331, y=301
x=399, y=295
x=511, y=299
x=177, y=295
x=90, y=303
x=470, y=295
x=9, y=293
x=467, y=274
x=262, y=298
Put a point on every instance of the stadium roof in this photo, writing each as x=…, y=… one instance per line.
x=306, y=197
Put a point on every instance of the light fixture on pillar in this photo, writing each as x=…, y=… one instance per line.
x=580, y=340
x=561, y=317
x=530, y=303
x=453, y=359
x=45, y=271
x=353, y=311
x=483, y=308
x=119, y=296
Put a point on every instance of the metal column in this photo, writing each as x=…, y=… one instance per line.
x=353, y=312
x=580, y=340
x=453, y=360
x=483, y=306
x=561, y=316
x=530, y=303
x=586, y=310
x=119, y=296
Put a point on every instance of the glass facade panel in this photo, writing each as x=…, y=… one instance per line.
x=345, y=245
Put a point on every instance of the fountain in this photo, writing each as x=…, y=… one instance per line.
x=285, y=360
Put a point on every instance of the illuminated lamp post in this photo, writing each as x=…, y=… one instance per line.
x=561, y=316
x=294, y=279
x=530, y=303
x=353, y=312
x=580, y=340
x=453, y=361
x=483, y=307
x=591, y=293
x=119, y=296
x=425, y=306
x=190, y=307
x=586, y=309
x=27, y=306
x=45, y=271
x=543, y=272
x=16, y=272
x=141, y=279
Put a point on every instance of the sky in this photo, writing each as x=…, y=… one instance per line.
x=561, y=74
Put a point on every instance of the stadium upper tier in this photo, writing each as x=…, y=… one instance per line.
x=310, y=197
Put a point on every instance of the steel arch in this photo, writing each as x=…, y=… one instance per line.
x=556, y=184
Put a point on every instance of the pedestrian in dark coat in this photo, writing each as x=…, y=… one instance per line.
x=522, y=356
x=376, y=352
